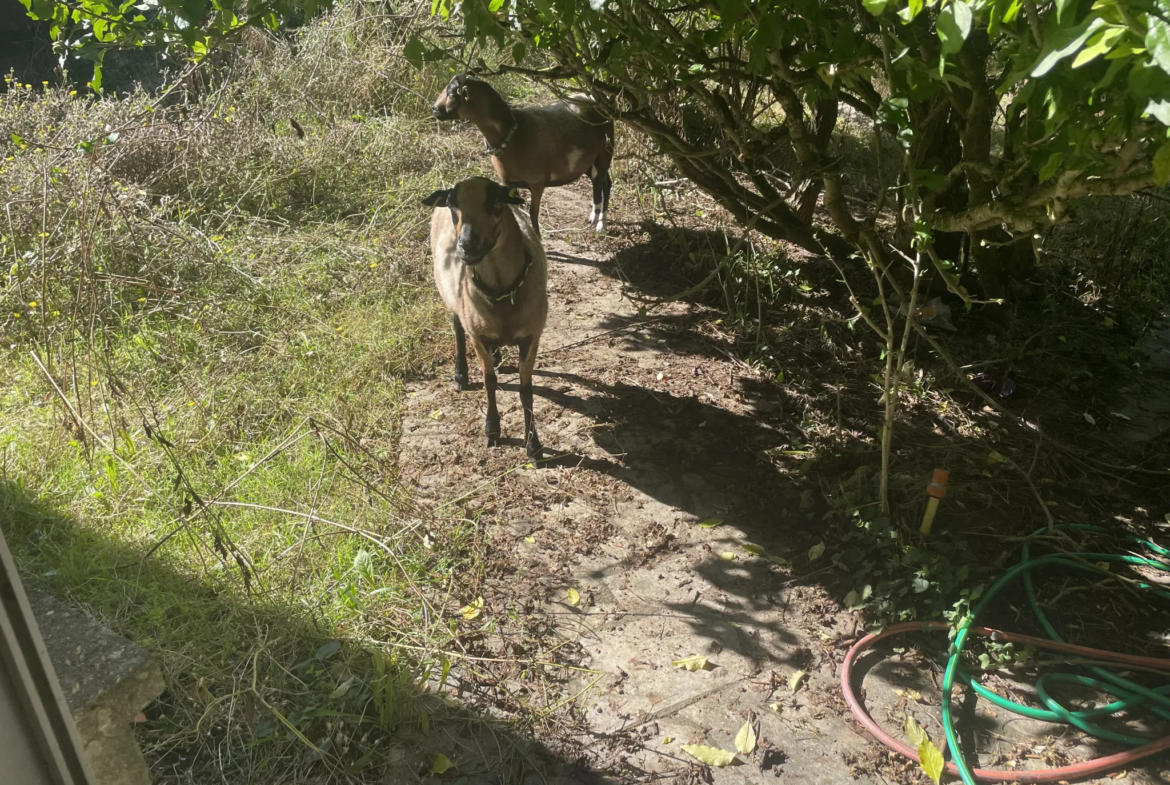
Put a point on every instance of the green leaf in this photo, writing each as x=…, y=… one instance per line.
x=753, y=549
x=816, y=551
x=875, y=7
x=1162, y=164
x=954, y=25
x=1158, y=41
x=496, y=5
x=328, y=650
x=1098, y=45
x=712, y=756
x=931, y=760
x=413, y=52
x=710, y=523
x=912, y=10
x=1051, y=166
x=1160, y=110
x=1060, y=6
x=1065, y=43
x=745, y=740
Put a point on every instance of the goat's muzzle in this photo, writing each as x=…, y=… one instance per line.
x=442, y=113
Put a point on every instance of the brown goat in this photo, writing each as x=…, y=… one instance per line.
x=491, y=272
x=537, y=147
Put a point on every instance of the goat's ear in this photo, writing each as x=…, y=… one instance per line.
x=513, y=197
x=438, y=198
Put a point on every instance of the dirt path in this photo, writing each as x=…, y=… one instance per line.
x=659, y=429
x=659, y=432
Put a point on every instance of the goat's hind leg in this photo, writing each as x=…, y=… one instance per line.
x=491, y=423
x=461, y=380
x=532, y=444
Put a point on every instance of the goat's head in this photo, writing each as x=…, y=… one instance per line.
x=457, y=96
x=478, y=208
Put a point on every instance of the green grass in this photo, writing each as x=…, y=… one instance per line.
x=229, y=312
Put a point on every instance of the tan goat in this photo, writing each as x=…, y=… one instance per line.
x=537, y=147
x=492, y=275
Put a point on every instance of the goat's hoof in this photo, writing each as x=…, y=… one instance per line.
x=461, y=382
x=535, y=452
x=493, y=440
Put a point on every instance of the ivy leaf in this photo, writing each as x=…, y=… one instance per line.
x=954, y=25
x=712, y=756
x=696, y=662
x=1162, y=164
x=931, y=760
x=745, y=740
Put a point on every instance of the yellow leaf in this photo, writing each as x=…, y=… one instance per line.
x=712, y=756
x=931, y=760
x=915, y=733
x=710, y=523
x=574, y=597
x=727, y=556
x=440, y=763
x=471, y=611
x=530, y=539
x=776, y=707
x=437, y=414
x=745, y=740
x=667, y=739
x=696, y=662
x=796, y=681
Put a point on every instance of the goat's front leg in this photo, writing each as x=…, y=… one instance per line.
x=491, y=424
x=537, y=191
x=461, y=380
x=532, y=444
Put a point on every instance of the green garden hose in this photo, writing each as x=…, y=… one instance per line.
x=1129, y=695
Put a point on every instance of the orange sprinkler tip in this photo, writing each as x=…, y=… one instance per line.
x=938, y=483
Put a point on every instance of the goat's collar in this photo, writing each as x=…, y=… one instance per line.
x=507, y=139
x=510, y=293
